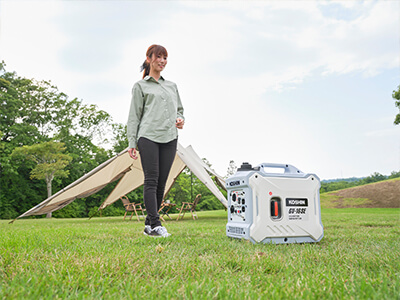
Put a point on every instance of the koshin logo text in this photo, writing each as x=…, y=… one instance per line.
x=296, y=202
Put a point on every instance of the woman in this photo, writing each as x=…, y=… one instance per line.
x=155, y=114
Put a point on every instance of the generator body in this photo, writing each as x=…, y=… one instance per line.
x=274, y=203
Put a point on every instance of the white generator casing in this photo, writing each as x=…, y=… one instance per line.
x=273, y=207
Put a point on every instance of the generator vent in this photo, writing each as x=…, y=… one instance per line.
x=236, y=230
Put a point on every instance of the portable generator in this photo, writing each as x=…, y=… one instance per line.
x=274, y=207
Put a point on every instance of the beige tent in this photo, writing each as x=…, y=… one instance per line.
x=130, y=173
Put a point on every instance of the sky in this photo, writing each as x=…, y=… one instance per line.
x=306, y=83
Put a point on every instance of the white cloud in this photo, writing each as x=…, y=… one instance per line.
x=338, y=46
x=284, y=42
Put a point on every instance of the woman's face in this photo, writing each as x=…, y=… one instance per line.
x=158, y=63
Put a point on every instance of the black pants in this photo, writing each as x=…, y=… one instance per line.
x=157, y=159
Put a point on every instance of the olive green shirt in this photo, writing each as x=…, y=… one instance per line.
x=155, y=106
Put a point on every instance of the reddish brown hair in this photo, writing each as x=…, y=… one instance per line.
x=156, y=50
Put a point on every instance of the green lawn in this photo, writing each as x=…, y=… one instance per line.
x=108, y=258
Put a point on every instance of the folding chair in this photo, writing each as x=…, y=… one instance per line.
x=187, y=206
x=165, y=208
x=132, y=207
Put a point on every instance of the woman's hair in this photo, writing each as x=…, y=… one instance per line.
x=156, y=50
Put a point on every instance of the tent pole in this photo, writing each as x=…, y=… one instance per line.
x=96, y=213
x=191, y=186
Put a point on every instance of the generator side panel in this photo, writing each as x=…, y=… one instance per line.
x=239, y=207
x=285, y=210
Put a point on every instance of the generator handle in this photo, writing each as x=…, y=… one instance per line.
x=289, y=169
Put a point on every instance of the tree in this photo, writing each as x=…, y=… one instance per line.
x=120, y=139
x=232, y=168
x=49, y=159
x=394, y=174
x=18, y=192
x=33, y=112
x=396, y=97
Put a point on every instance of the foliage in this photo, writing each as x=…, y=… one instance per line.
x=108, y=258
x=49, y=159
x=394, y=174
x=349, y=179
x=396, y=97
x=34, y=112
x=185, y=189
x=120, y=140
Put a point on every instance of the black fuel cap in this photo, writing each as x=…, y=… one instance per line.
x=245, y=167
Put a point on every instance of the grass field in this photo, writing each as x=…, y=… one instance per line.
x=108, y=258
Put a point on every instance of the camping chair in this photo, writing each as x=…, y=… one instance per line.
x=165, y=208
x=186, y=206
x=132, y=207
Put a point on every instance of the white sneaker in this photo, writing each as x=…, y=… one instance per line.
x=159, y=231
x=147, y=230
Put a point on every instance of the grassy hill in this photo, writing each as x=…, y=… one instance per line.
x=383, y=194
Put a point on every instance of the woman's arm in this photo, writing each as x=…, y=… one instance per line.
x=135, y=115
x=180, y=119
x=179, y=114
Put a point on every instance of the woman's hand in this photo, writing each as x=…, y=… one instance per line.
x=132, y=153
x=179, y=123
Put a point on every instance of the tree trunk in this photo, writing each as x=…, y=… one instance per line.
x=48, y=182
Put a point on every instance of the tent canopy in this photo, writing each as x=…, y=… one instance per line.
x=130, y=173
